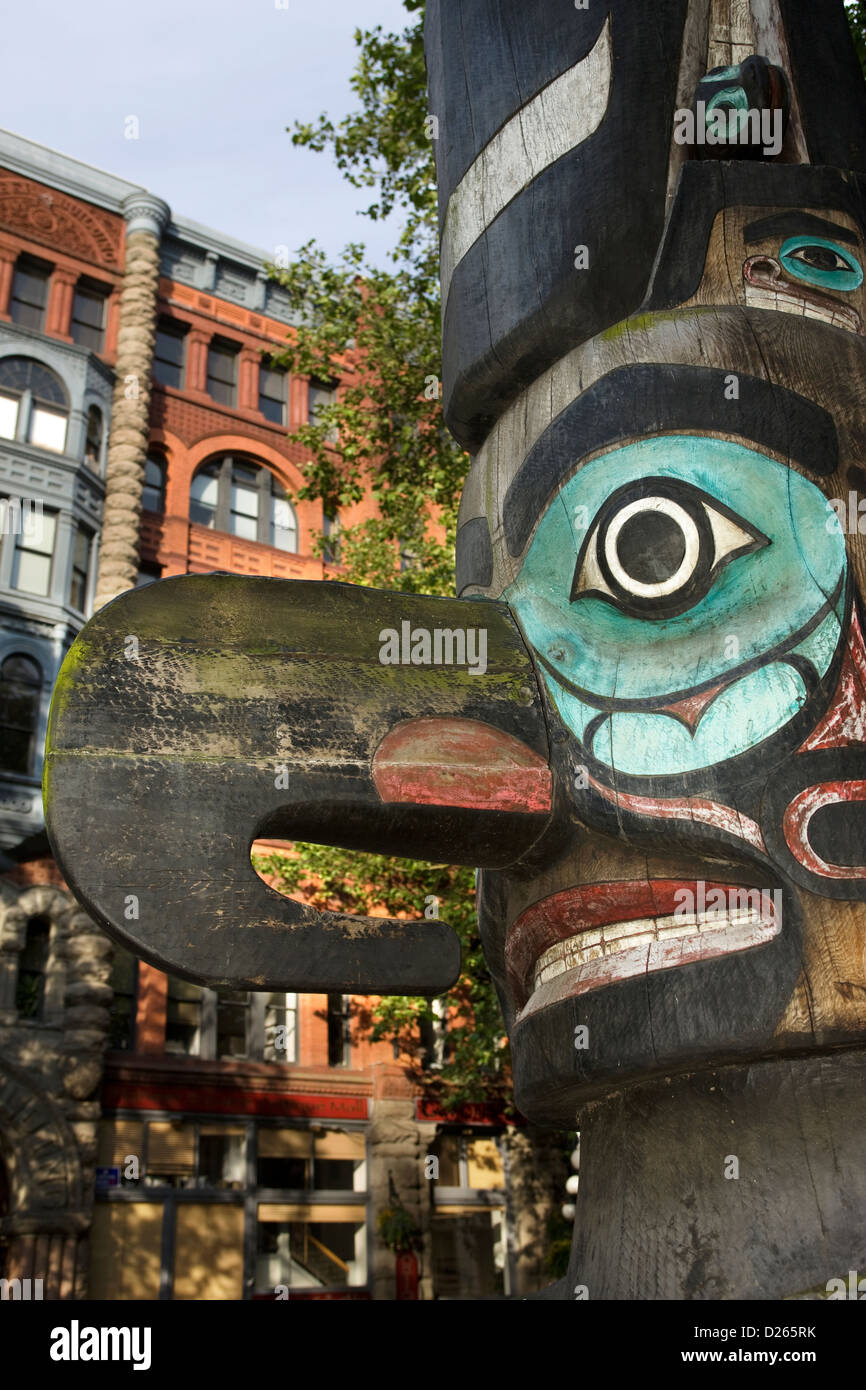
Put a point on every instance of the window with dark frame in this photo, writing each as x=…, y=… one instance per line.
x=321, y=394
x=124, y=983
x=281, y=1028
x=273, y=393
x=20, y=698
x=222, y=371
x=153, y=492
x=233, y=1012
x=339, y=1037
x=183, y=1012
x=33, y=560
x=32, y=969
x=169, y=353
x=331, y=536
x=243, y=498
x=88, y=315
x=28, y=386
x=305, y=1235
x=94, y=437
x=80, y=568
x=30, y=292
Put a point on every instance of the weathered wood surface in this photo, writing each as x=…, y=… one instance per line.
x=193, y=716
x=666, y=489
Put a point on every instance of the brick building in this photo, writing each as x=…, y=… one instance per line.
x=157, y=1139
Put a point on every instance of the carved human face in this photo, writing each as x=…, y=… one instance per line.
x=690, y=598
x=806, y=263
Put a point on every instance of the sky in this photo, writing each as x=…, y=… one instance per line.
x=213, y=86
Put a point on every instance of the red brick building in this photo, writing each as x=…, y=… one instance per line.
x=195, y=1143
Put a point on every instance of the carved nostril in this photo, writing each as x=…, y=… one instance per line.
x=762, y=270
x=825, y=829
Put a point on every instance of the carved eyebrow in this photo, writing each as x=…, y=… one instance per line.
x=652, y=398
x=785, y=224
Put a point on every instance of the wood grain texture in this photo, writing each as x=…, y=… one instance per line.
x=657, y=1217
x=267, y=723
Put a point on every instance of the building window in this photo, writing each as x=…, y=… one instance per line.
x=80, y=568
x=339, y=1037
x=244, y=503
x=93, y=442
x=221, y=1156
x=32, y=968
x=204, y=496
x=170, y=1157
x=222, y=371
x=88, y=315
x=281, y=1028
x=20, y=698
x=241, y=497
x=233, y=1011
x=309, y=1254
x=273, y=393
x=124, y=983
x=300, y=1244
x=30, y=292
x=321, y=394
x=8, y=415
x=169, y=352
x=284, y=1159
x=33, y=403
x=284, y=523
x=469, y=1219
x=153, y=492
x=331, y=536
x=34, y=555
x=183, y=1018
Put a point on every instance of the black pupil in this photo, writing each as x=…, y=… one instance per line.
x=820, y=258
x=651, y=547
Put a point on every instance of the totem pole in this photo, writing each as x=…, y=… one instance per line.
x=644, y=717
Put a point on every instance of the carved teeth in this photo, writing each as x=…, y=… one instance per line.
x=602, y=942
x=785, y=302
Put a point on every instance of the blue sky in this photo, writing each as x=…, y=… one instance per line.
x=213, y=86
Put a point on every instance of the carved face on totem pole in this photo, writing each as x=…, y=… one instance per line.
x=667, y=500
x=653, y=251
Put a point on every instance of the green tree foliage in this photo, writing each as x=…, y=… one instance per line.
x=857, y=21
x=388, y=417
x=476, y=1059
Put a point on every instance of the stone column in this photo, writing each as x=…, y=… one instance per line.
x=130, y=416
x=396, y=1151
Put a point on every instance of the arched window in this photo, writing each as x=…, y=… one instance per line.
x=238, y=495
x=20, y=696
x=33, y=404
x=93, y=444
x=153, y=493
x=32, y=967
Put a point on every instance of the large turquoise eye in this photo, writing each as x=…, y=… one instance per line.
x=821, y=262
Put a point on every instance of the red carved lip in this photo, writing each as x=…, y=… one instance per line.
x=460, y=762
x=672, y=922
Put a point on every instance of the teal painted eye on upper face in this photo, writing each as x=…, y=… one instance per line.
x=676, y=564
x=820, y=262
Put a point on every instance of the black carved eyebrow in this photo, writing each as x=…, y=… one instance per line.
x=651, y=399
x=785, y=224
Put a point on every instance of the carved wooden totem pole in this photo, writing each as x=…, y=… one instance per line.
x=644, y=718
